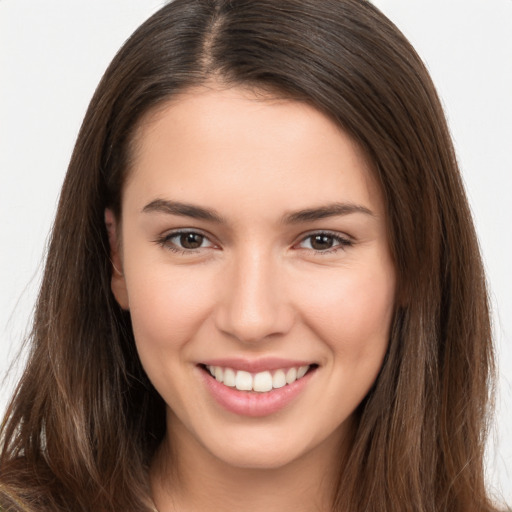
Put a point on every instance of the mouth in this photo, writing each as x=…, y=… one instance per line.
x=259, y=382
x=256, y=389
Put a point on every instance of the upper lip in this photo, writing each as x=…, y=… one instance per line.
x=256, y=365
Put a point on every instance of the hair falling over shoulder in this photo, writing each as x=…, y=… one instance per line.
x=85, y=421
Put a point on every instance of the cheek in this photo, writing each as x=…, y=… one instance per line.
x=352, y=311
x=166, y=307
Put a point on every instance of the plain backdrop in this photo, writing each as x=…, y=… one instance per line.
x=53, y=53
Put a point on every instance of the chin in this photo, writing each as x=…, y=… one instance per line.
x=258, y=458
x=266, y=448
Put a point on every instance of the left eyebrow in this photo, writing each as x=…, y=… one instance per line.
x=322, y=212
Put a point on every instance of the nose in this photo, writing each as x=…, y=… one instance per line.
x=254, y=305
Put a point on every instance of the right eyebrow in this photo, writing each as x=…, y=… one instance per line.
x=184, y=210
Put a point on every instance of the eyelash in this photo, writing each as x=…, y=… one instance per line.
x=342, y=242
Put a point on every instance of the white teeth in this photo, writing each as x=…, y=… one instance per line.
x=260, y=382
x=229, y=377
x=291, y=375
x=279, y=379
x=302, y=371
x=243, y=381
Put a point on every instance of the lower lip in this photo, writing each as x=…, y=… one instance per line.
x=252, y=403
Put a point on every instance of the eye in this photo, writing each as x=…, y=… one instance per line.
x=185, y=241
x=324, y=242
x=189, y=240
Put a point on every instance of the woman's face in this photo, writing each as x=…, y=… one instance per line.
x=253, y=247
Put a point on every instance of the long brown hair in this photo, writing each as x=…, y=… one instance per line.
x=85, y=420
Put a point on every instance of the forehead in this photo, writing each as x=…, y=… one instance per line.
x=210, y=143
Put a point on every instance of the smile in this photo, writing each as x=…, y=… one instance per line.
x=260, y=382
x=256, y=388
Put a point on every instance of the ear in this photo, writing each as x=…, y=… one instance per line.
x=118, y=282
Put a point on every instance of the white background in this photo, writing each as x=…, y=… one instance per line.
x=53, y=53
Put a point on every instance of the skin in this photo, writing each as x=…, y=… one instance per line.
x=257, y=287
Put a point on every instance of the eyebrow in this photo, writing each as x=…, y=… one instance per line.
x=183, y=209
x=297, y=217
x=322, y=212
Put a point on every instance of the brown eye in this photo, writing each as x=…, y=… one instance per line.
x=321, y=242
x=191, y=240
x=325, y=242
x=185, y=241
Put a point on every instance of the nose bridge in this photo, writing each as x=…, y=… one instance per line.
x=254, y=304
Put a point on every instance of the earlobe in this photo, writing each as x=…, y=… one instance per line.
x=118, y=282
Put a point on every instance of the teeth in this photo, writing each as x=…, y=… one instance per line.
x=291, y=375
x=302, y=371
x=260, y=382
x=229, y=377
x=243, y=381
x=279, y=379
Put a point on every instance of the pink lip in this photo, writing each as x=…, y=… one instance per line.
x=252, y=403
x=256, y=365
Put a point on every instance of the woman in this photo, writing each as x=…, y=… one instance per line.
x=263, y=289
